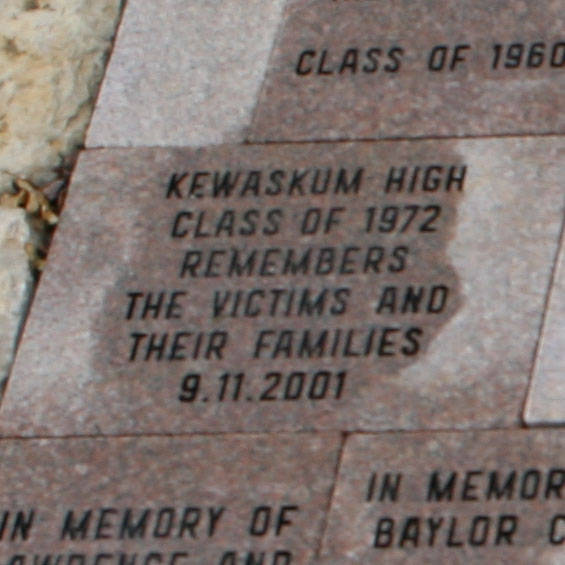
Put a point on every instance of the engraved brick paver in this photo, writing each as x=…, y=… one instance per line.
x=338, y=286
x=180, y=501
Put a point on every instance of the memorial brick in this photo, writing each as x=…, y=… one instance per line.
x=319, y=345
x=369, y=69
x=165, y=501
x=295, y=311
x=363, y=286
x=458, y=498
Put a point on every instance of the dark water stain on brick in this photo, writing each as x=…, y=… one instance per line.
x=320, y=261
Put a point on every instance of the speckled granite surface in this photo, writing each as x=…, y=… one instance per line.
x=369, y=70
x=181, y=317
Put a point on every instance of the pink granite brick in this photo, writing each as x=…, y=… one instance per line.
x=208, y=500
x=369, y=69
x=148, y=321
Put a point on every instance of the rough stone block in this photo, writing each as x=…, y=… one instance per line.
x=16, y=282
x=52, y=58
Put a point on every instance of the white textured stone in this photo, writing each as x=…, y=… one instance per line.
x=185, y=73
x=52, y=58
x=15, y=280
